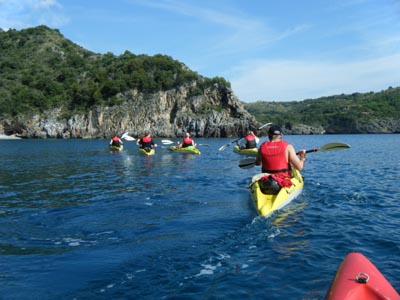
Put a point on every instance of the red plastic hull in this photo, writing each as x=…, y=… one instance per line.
x=345, y=285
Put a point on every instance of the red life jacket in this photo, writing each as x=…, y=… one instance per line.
x=146, y=142
x=274, y=158
x=250, y=141
x=187, y=142
x=250, y=137
x=146, y=139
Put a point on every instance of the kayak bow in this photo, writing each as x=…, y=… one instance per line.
x=357, y=278
x=251, y=151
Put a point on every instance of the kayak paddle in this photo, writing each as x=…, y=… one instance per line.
x=222, y=148
x=127, y=137
x=167, y=142
x=250, y=161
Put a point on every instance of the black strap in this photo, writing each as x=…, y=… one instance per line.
x=276, y=171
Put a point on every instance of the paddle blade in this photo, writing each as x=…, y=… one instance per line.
x=334, y=146
x=128, y=138
x=222, y=148
x=167, y=142
x=247, y=163
x=264, y=125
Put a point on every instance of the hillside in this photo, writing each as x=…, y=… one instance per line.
x=41, y=70
x=355, y=113
x=51, y=87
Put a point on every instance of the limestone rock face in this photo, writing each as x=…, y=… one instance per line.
x=215, y=113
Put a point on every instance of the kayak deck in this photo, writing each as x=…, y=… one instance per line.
x=358, y=278
x=251, y=151
x=146, y=152
x=189, y=149
x=116, y=148
x=266, y=204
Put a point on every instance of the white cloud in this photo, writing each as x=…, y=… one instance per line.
x=234, y=31
x=20, y=14
x=298, y=80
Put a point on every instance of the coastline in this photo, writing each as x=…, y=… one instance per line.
x=9, y=137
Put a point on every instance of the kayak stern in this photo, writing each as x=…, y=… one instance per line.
x=266, y=204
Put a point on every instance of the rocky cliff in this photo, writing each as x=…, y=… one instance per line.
x=215, y=113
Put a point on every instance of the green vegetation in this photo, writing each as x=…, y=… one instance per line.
x=327, y=111
x=40, y=69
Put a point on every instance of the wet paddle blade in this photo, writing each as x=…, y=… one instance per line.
x=334, y=146
x=167, y=142
x=264, y=125
x=247, y=163
x=127, y=137
x=222, y=148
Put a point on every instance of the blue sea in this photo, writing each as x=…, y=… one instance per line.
x=80, y=222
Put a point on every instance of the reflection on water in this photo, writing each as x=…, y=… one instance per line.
x=289, y=215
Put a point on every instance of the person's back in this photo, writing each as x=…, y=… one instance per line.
x=274, y=157
x=116, y=141
x=146, y=142
x=251, y=141
x=187, y=141
x=277, y=156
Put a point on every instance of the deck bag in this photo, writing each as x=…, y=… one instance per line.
x=271, y=184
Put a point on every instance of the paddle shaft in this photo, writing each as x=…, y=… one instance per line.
x=248, y=163
x=310, y=151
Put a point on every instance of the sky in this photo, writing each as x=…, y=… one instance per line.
x=269, y=50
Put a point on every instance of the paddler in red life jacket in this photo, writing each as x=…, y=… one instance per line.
x=146, y=142
x=187, y=141
x=277, y=156
x=248, y=142
x=116, y=141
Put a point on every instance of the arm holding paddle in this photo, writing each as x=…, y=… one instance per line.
x=250, y=161
x=293, y=159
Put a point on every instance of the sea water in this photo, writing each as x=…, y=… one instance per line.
x=80, y=222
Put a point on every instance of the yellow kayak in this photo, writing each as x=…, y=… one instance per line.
x=189, y=149
x=266, y=203
x=116, y=148
x=147, y=151
x=249, y=152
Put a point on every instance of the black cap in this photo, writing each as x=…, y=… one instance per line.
x=274, y=130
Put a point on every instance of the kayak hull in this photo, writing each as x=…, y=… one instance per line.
x=266, y=204
x=248, y=152
x=116, y=148
x=145, y=152
x=189, y=149
x=358, y=278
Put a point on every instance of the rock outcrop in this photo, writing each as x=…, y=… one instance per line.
x=215, y=113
